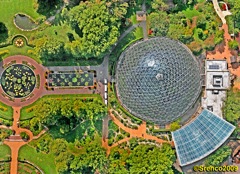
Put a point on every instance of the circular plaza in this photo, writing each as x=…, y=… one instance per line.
x=158, y=80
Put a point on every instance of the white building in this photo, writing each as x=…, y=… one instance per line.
x=217, y=82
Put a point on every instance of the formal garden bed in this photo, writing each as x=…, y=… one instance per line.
x=4, y=167
x=6, y=112
x=121, y=113
x=18, y=81
x=70, y=79
x=115, y=133
x=28, y=168
x=19, y=42
x=44, y=161
x=4, y=134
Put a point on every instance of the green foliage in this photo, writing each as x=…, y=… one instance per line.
x=147, y=159
x=24, y=135
x=233, y=44
x=3, y=32
x=159, y=5
x=8, y=11
x=92, y=160
x=44, y=161
x=190, y=13
x=175, y=125
x=47, y=7
x=179, y=5
x=159, y=23
x=231, y=108
x=97, y=25
x=49, y=48
x=235, y=10
x=5, y=133
x=218, y=157
x=142, y=159
x=5, y=153
x=65, y=114
x=6, y=112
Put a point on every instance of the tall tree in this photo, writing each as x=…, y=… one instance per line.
x=3, y=32
x=97, y=28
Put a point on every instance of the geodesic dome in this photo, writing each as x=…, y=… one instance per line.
x=158, y=80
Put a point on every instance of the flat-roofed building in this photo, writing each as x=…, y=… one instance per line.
x=217, y=79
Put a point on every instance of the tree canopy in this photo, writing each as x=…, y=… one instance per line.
x=66, y=114
x=232, y=108
x=3, y=32
x=218, y=157
x=97, y=25
x=142, y=158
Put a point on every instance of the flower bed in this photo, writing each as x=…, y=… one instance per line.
x=70, y=79
x=18, y=80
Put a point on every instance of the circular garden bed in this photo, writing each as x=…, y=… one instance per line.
x=18, y=80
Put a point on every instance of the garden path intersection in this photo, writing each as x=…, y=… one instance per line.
x=15, y=142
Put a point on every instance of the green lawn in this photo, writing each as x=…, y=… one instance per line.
x=190, y=13
x=5, y=152
x=6, y=112
x=9, y=8
x=25, y=50
x=27, y=112
x=44, y=161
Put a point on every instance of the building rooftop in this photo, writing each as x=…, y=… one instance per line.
x=158, y=80
x=201, y=137
x=217, y=82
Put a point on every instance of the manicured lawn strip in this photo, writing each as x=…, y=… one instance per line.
x=9, y=8
x=5, y=152
x=44, y=161
x=73, y=62
x=25, y=50
x=6, y=112
x=25, y=114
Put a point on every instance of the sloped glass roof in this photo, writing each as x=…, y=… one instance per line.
x=201, y=137
x=158, y=80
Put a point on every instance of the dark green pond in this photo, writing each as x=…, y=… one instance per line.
x=24, y=22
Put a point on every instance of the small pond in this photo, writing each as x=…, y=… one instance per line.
x=24, y=22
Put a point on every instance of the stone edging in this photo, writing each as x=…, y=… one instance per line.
x=28, y=162
x=26, y=16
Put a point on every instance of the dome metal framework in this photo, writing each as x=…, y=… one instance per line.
x=158, y=80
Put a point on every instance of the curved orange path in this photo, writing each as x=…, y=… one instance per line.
x=139, y=133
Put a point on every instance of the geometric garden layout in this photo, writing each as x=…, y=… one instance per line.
x=118, y=86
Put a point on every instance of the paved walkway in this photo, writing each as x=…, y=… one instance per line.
x=224, y=52
x=14, y=142
x=143, y=24
x=40, y=70
x=138, y=133
x=220, y=13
